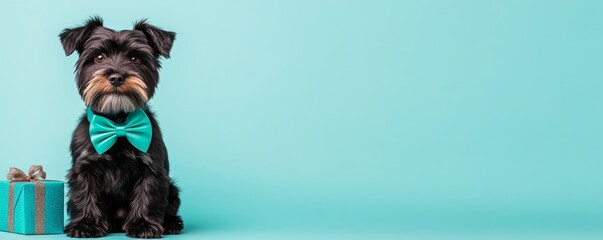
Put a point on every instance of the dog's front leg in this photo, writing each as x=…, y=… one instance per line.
x=84, y=205
x=148, y=201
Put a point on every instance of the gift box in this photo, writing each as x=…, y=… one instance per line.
x=31, y=205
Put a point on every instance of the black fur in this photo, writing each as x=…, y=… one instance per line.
x=122, y=189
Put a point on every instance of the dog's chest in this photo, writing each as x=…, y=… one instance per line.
x=121, y=174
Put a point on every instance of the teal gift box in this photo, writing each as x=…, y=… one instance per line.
x=31, y=206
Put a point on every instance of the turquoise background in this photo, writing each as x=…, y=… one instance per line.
x=345, y=119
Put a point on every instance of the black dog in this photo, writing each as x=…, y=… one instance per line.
x=122, y=188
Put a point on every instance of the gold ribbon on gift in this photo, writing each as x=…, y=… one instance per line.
x=36, y=172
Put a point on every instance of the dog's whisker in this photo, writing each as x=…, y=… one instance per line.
x=100, y=94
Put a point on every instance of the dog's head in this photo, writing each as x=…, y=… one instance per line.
x=117, y=71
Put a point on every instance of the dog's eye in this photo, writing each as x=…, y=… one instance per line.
x=99, y=58
x=135, y=60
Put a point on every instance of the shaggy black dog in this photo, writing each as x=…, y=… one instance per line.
x=123, y=188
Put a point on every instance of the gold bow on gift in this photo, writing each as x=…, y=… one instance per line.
x=35, y=172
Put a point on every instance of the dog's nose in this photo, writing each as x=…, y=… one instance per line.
x=116, y=79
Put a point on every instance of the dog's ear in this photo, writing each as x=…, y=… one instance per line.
x=160, y=40
x=74, y=38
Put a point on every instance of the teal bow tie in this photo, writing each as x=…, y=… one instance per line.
x=104, y=132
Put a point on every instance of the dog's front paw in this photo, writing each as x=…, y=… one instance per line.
x=144, y=229
x=172, y=224
x=86, y=229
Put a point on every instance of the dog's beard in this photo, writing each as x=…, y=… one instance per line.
x=114, y=103
x=105, y=98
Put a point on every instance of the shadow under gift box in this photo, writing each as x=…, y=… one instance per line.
x=37, y=207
